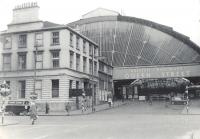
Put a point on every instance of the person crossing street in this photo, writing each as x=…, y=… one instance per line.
x=33, y=112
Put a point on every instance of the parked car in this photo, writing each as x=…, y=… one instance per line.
x=18, y=106
x=178, y=101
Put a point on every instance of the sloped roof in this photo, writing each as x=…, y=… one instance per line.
x=47, y=24
x=100, y=12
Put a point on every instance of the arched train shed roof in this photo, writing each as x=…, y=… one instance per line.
x=130, y=41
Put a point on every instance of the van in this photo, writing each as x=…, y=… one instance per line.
x=18, y=106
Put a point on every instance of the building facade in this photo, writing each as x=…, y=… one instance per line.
x=105, y=81
x=46, y=59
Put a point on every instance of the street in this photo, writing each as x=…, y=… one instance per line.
x=127, y=121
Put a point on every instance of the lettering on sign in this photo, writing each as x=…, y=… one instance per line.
x=157, y=72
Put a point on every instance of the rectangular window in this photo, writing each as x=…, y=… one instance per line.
x=22, y=43
x=38, y=39
x=71, y=59
x=55, y=38
x=95, y=68
x=7, y=42
x=77, y=43
x=105, y=85
x=90, y=66
x=101, y=84
x=77, y=62
x=38, y=88
x=71, y=39
x=105, y=68
x=77, y=84
x=70, y=84
x=39, y=60
x=90, y=50
x=84, y=64
x=101, y=67
x=84, y=46
x=55, y=59
x=22, y=89
x=55, y=88
x=6, y=62
x=22, y=60
x=95, y=52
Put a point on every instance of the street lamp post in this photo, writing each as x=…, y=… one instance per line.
x=34, y=95
x=93, y=109
x=187, y=97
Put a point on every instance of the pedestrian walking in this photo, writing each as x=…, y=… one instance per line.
x=166, y=102
x=33, y=112
x=47, y=108
x=150, y=100
x=83, y=106
x=68, y=108
x=109, y=102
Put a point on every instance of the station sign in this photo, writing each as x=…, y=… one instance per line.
x=162, y=71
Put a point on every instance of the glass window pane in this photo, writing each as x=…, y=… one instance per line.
x=7, y=42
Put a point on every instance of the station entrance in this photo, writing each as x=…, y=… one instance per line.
x=159, y=82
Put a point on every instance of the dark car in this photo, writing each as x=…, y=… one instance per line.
x=18, y=106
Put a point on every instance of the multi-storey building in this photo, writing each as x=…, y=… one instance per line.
x=105, y=81
x=46, y=58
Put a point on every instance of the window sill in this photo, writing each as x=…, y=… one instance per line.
x=55, y=67
x=56, y=97
x=38, y=46
x=21, y=69
x=7, y=48
x=22, y=47
x=55, y=44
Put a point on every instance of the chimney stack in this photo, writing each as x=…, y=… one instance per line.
x=26, y=12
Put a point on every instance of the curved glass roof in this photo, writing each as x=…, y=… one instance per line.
x=129, y=41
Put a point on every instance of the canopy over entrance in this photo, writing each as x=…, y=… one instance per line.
x=162, y=85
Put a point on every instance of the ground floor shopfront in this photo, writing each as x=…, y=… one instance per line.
x=52, y=87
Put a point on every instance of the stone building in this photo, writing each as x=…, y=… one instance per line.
x=47, y=59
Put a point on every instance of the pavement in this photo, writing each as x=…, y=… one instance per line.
x=98, y=108
x=79, y=112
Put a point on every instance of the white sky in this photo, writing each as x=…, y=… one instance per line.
x=182, y=15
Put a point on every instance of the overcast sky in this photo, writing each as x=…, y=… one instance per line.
x=182, y=15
